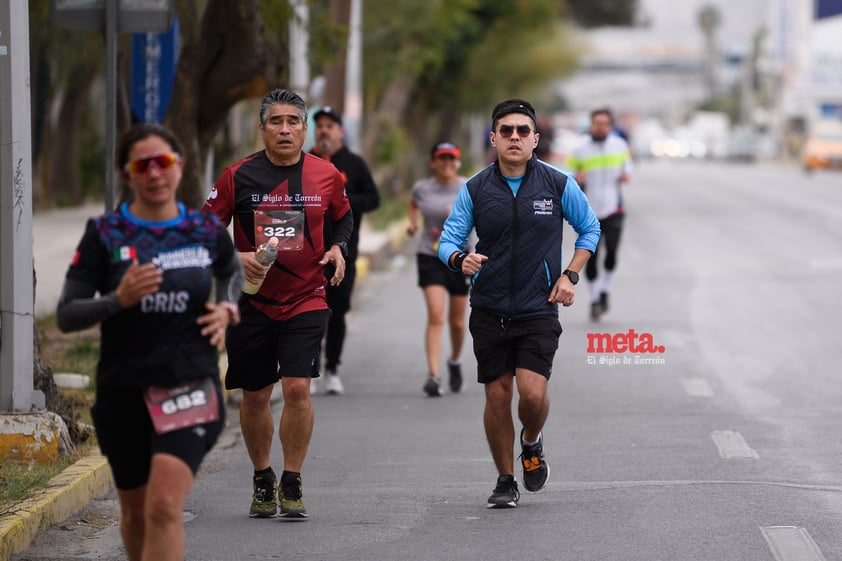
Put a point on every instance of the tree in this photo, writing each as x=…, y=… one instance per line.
x=226, y=56
x=446, y=59
x=66, y=64
x=334, y=68
x=708, y=20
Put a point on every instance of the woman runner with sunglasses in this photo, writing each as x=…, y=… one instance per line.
x=518, y=205
x=159, y=404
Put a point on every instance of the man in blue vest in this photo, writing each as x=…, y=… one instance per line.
x=518, y=205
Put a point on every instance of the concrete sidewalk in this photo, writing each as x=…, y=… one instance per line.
x=55, y=236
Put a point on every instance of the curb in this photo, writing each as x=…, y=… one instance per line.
x=66, y=494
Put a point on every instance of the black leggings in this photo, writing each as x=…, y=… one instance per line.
x=611, y=228
x=339, y=302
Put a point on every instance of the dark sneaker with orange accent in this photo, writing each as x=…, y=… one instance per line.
x=536, y=470
x=505, y=494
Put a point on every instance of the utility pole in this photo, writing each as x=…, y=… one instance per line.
x=354, y=79
x=17, y=293
x=299, y=36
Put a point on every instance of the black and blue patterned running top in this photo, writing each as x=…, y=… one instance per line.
x=157, y=341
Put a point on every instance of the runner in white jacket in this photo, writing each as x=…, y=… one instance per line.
x=601, y=165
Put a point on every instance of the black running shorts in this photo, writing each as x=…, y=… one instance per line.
x=431, y=271
x=260, y=354
x=503, y=345
x=127, y=438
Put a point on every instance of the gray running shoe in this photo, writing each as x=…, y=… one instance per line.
x=505, y=494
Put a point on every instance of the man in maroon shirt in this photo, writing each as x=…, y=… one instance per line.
x=285, y=193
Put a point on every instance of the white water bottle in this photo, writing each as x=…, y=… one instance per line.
x=265, y=255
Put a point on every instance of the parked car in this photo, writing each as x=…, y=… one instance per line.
x=823, y=147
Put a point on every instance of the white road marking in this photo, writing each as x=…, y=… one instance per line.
x=731, y=444
x=825, y=264
x=697, y=387
x=791, y=543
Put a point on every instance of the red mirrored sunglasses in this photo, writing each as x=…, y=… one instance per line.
x=163, y=161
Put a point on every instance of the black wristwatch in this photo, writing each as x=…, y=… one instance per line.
x=572, y=275
x=344, y=247
x=459, y=259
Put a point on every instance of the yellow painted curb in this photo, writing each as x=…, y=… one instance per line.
x=363, y=266
x=66, y=494
x=39, y=437
x=397, y=234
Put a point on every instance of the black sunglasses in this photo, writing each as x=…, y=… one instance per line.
x=507, y=130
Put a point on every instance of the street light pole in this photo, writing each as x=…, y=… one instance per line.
x=111, y=10
x=17, y=293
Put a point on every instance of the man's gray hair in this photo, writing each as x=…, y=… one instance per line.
x=282, y=97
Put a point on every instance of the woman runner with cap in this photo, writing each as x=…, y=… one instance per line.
x=432, y=199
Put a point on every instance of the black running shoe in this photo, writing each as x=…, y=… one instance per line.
x=455, y=371
x=505, y=494
x=603, y=301
x=536, y=470
x=264, y=503
x=596, y=311
x=433, y=387
x=292, y=503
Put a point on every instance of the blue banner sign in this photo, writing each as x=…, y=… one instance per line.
x=154, y=57
x=828, y=8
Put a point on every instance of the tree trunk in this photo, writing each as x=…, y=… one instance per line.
x=334, y=95
x=63, y=178
x=213, y=75
x=381, y=122
x=42, y=374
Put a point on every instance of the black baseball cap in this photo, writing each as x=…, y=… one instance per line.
x=510, y=106
x=328, y=111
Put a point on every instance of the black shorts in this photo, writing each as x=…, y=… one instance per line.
x=128, y=439
x=432, y=271
x=502, y=345
x=260, y=354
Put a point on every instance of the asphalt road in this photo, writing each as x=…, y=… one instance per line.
x=723, y=447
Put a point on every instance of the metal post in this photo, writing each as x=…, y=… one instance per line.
x=354, y=79
x=299, y=65
x=17, y=301
x=111, y=11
